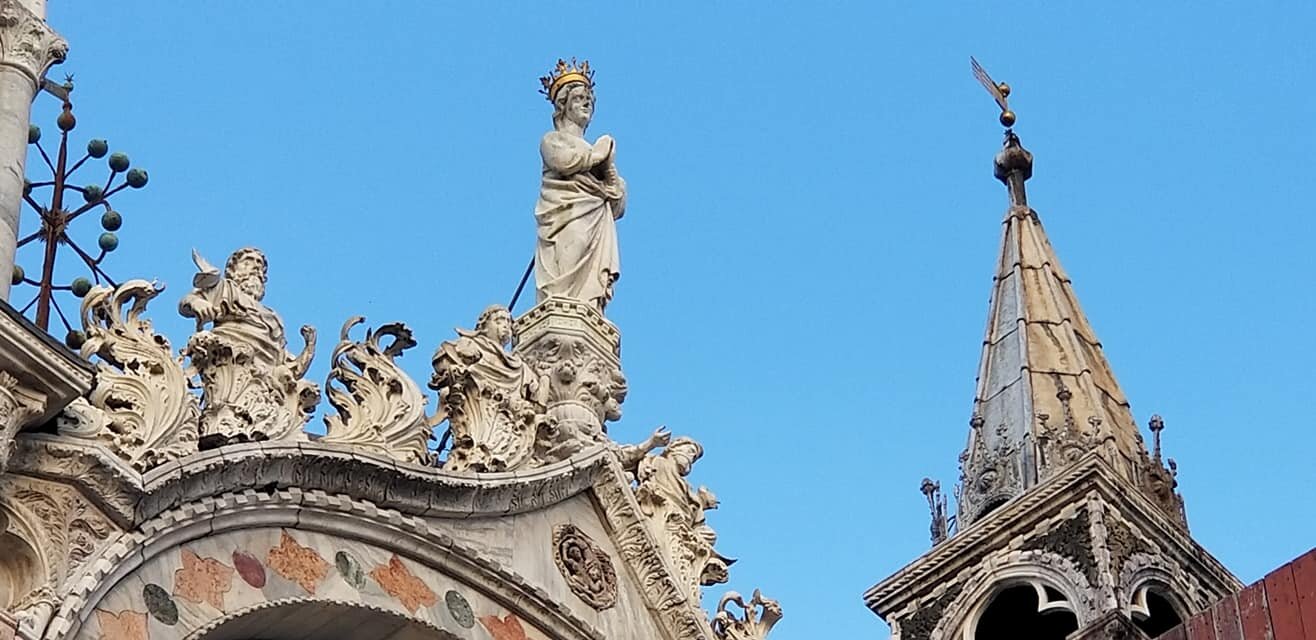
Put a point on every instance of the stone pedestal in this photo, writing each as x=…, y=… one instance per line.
x=38, y=377
x=577, y=354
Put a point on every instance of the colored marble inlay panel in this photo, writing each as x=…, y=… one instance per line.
x=399, y=582
x=249, y=568
x=124, y=625
x=350, y=568
x=202, y=580
x=508, y=628
x=298, y=563
x=160, y=604
x=460, y=609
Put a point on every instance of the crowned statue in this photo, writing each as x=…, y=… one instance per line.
x=580, y=198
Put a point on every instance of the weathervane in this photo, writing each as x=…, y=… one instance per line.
x=57, y=214
x=999, y=90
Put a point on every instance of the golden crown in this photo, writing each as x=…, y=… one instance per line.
x=564, y=75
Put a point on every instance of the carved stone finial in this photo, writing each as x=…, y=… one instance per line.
x=252, y=388
x=379, y=407
x=27, y=43
x=490, y=397
x=1156, y=425
x=937, y=505
x=757, y=618
x=141, y=397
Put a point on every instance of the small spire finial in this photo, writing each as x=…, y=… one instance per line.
x=1014, y=164
x=937, y=505
x=1157, y=425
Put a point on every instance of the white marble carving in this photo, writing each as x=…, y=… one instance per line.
x=757, y=617
x=252, y=386
x=675, y=510
x=379, y=406
x=490, y=396
x=141, y=397
x=27, y=43
x=580, y=198
x=15, y=410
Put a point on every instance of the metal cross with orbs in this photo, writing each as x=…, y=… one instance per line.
x=57, y=213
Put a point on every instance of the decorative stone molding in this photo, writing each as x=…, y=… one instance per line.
x=18, y=405
x=989, y=473
x=491, y=398
x=577, y=352
x=44, y=367
x=755, y=621
x=141, y=397
x=586, y=567
x=65, y=529
x=675, y=510
x=252, y=388
x=319, y=513
x=379, y=407
x=678, y=610
x=27, y=43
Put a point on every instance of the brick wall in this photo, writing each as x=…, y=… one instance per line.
x=1281, y=606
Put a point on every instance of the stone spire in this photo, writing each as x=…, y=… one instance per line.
x=1046, y=394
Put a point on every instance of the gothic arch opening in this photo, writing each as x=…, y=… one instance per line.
x=1154, y=610
x=1027, y=610
x=320, y=620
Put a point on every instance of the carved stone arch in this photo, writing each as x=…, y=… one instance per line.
x=330, y=620
x=1146, y=571
x=26, y=567
x=1041, y=569
x=206, y=560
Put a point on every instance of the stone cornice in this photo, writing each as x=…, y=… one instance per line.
x=1042, y=501
x=27, y=43
x=131, y=497
x=39, y=362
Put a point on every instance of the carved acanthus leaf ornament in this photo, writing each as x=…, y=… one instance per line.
x=757, y=617
x=148, y=415
x=27, y=43
x=16, y=408
x=379, y=406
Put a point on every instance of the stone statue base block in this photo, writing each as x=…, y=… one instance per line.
x=565, y=317
x=576, y=353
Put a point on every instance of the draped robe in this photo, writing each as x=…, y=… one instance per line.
x=576, y=255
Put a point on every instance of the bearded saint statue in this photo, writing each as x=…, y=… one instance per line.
x=580, y=198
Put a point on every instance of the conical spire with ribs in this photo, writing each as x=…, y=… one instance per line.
x=1046, y=394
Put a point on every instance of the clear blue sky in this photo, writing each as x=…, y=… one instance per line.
x=807, y=251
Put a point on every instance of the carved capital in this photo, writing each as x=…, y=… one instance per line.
x=27, y=43
x=576, y=354
x=18, y=405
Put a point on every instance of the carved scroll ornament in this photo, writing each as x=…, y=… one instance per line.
x=379, y=406
x=756, y=620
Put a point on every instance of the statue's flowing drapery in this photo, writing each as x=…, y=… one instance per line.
x=577, y=255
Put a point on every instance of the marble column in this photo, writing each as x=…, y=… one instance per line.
x=28, y=47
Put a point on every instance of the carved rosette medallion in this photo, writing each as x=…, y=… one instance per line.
x=587, y=568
